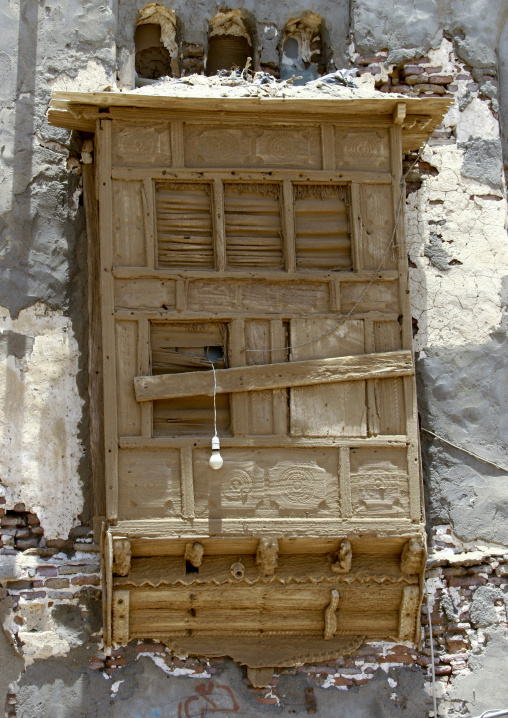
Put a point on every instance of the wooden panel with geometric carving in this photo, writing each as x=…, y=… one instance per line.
x=257, y=237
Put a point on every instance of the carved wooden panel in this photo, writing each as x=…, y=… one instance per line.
x=135, y=144
x=362, y=149
x=260, y=483
x=379, y=482
x=256, y=147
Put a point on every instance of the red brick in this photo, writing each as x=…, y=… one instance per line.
x=86, y=581
x=427, y=87
x=342, y=681
x=57, y=583
x=96, y=665
x=11, y=521
x=443, y=670
x=412, y=70
x=267, y=700
x=32, y=520
x=416, y=79
x=440, y=79
x=116, y=662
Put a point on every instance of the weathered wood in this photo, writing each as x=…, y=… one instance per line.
x=276, y=376
x=187, y=482
x=346, y=510
x=218, y=225
x=95, y=378
x=177, y=149
x=120, y=613
x=327, y=147
x=148, y=197
x=408, y=613
x=288, y=225
x=103, y=148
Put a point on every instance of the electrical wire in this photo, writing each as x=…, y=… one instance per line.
x=369, y=284
x=214, y=399
x=465, y=451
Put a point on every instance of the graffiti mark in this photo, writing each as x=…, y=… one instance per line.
x=208, y=698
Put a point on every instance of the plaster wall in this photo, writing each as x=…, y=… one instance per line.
x=456, y=222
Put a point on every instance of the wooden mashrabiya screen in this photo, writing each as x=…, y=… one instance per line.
x=261, y=237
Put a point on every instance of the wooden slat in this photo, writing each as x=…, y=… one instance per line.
x=372, y=408
x=129, y=415
x=278, y=338
x=144, y=368
x=120, y=616
x=288, y=226
x=346, y=510
x=219, y=235
x=103, y=147
x=276, y=376
x=187, y=482
x=95, y=378
x=166, y=442
x=148, y=196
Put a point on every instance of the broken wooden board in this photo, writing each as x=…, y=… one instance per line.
x=276, y=376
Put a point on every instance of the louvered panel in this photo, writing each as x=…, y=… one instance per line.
x=184, y=226
x=321, y=227
x=178, y=348
x=253, y=226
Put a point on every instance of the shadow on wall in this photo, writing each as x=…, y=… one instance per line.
x=502, y=55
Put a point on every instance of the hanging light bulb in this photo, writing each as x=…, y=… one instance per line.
x=216, y=459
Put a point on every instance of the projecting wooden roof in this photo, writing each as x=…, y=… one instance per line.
x=80, y=110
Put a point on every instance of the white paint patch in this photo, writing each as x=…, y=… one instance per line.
x=92, y=78
x=40, y=411
x=161, y=663
x=392, y=683
x=115, y=687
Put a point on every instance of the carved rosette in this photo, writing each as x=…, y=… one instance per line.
x=297, y=486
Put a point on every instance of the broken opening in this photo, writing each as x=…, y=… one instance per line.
x=190, y=568
x=302, y=49
x=156, y=47
x=229, y=42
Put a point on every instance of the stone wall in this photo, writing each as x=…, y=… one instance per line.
x=52, y=662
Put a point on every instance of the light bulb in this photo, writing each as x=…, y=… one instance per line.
x=216, y=459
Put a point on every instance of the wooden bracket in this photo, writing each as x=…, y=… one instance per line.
x=331, y=616
x=275, y=376
x=408, y=613
x=399, y=113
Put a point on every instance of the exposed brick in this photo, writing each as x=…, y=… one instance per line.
x=85, y=580
x=9, y=521
x=96, y=665
x=23, y=544
x=61, y=544
x=484, y=568
x=417, y=79
x=440, y=79
x=30, y=595
x=459, y=581
x=443, y=670
x=37, y=531
x=57, y=583
x=427, y=87
x=116, y=662
x=47, y=570
x=369, y=60
x=412, y=70
x=32, y=520
x=342, y=681
x=20, y=585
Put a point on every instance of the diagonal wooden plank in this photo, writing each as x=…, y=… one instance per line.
x=275, y=376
